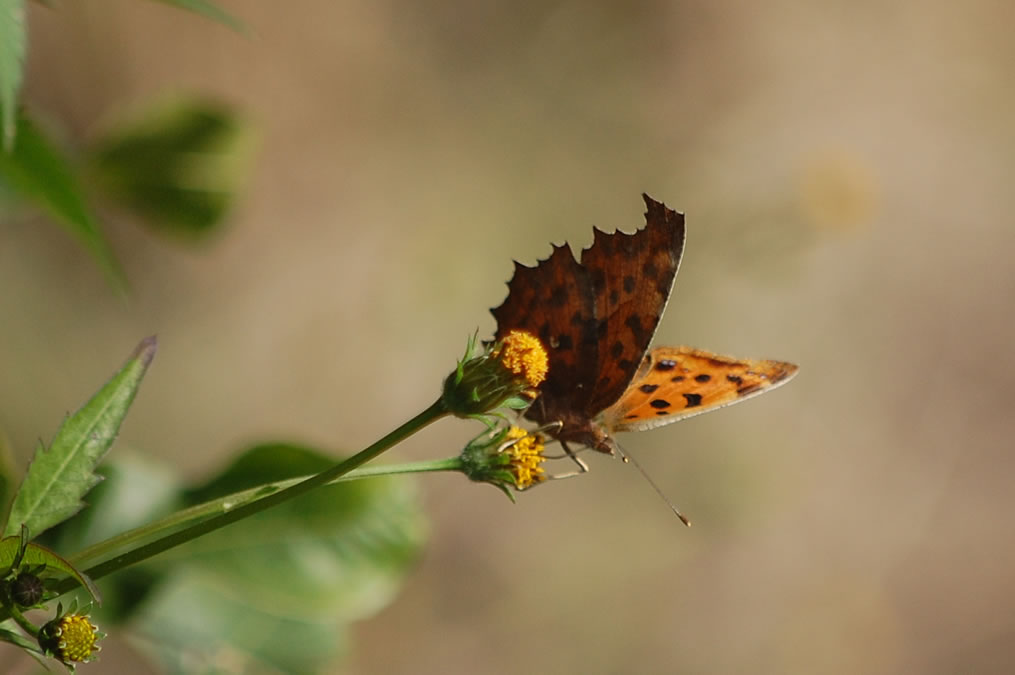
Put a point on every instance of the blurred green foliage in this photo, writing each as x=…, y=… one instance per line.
x=178, y=165
x=278, y=589
x=38, y=171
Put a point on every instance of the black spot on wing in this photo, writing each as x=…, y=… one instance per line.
x=544, y=332
x=640, y=333
x=693, y=400
x=558, y=296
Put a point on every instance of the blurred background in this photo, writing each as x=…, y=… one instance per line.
x=846, y=170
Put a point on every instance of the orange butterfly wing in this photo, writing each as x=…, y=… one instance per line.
x=674, y=383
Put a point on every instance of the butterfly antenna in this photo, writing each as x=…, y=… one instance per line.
x=627, y=457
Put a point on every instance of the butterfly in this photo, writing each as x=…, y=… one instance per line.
x=596, y=319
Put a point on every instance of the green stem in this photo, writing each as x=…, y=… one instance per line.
x=22, y=621
x=428, y=416
x=231, y=501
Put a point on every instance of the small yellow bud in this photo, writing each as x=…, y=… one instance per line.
x=71, y=638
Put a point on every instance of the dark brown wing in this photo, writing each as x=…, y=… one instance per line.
x=554, y=302
x=631, y=276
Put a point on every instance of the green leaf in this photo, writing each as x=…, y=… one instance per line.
x=20, y=640
x=178, y=165
x=209, y=10
x=38, y=172
x=280, y=588
x=60, y=476
x=35, y=555
x=12, y=61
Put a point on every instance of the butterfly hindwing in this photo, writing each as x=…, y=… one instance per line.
x=674, y=383
x=554, y=302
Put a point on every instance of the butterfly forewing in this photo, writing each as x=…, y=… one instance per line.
x=674, y=383
x=631, y=275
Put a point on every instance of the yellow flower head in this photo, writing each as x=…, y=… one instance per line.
x=504, y=375
x=523, y=354
x=526, y=452
x=508, y=457
x=71, y=638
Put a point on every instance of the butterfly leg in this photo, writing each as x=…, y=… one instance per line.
x=582, y=466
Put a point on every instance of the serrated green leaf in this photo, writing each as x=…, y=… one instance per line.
x=59, y=476
x=38, y=172
x=36, y=555
x=209, y=10
x=12, y=63
x=178, y=165
x=281, y=587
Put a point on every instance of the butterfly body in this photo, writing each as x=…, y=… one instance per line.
x=596, y=318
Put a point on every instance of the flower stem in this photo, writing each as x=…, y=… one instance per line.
x=232, y=501
x=21, y=620
x=428, y=416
